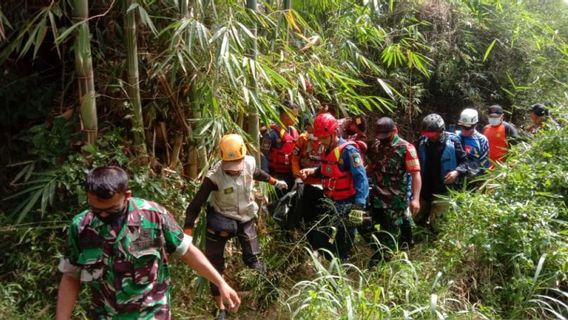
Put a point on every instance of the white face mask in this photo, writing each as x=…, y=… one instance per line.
x=495, y=121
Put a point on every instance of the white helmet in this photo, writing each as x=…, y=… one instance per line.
x=468, y=118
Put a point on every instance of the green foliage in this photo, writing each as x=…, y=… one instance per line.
x=394, y=290
x=516, y=232
x=502, y=252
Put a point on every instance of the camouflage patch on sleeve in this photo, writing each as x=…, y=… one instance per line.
x=173, y=233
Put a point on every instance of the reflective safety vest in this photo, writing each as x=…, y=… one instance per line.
x=337, y=185
x=498, y=146
x=234, y=197
x=279, y=158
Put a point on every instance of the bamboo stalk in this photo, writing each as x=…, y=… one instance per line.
x=84, y=71
x=253, y=117
x=178, y=142
x=164, y=132
x=193, y=161
x=133, y=86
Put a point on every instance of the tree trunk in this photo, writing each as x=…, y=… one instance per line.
x=84, y=70
x=132, y=85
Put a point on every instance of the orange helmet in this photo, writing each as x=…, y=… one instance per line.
x=232, y=147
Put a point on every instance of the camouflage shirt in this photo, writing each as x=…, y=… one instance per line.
x=126, y=267
x=389, y=168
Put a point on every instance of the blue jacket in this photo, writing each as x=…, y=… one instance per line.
x=453, y=156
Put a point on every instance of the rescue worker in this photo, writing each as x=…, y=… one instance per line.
x=353, y=128
x=474, y=143
x=120, y=248
x=278, y=144
x=231, y=209
x=393, y=166
x=500, y=134
x=540, y=115
x=344, y=181
x=443, y=161
x=307, y=154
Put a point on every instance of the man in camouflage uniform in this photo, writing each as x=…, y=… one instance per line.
x=120, y=248
x=394, y=170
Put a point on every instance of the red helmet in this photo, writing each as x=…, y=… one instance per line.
x=325, y=125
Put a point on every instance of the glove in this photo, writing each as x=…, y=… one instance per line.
x=355, y=217
x=281, y=185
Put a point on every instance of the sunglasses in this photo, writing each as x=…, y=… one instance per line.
x=466, y=128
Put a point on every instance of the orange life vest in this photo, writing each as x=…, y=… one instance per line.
x=280, y=157
x=337, y=185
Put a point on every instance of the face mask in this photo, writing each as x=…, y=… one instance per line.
x=494, y=121
x=233, y=173
x=113, y=217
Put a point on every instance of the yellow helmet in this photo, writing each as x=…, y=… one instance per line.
x=232, y=147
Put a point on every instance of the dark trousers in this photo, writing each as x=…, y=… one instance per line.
x=215, y=249
x=390, y=229
x=333, y=233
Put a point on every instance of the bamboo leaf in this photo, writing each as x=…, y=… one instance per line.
x=236, y=37
x=29, y=43
x=28, y=190
x=45, y=196
x=245, y=30
x=54, y=31
x=488, y=51
x=252, y=65
x=146, y=19
x=67, y=32
x=217, y=34
x=246, y=94
x=40, y=35
x=25, y=171
x=223, y=50
x=385, y=87
x=28, y=207
x=539, y=267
